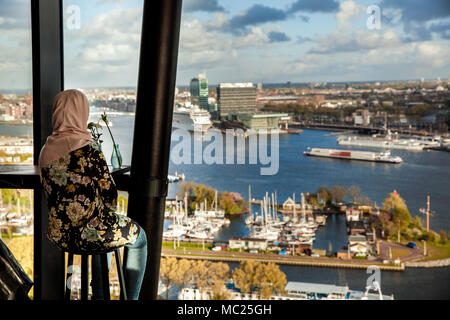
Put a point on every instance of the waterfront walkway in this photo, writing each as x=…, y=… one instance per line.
x=326, y=262
x=429, y=264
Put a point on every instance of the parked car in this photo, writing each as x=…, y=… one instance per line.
x=412, y=245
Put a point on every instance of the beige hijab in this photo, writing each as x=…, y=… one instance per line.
x=70, y=117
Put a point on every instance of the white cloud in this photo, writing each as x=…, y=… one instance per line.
x=348, y=11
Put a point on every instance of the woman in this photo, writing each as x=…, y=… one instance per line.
x=82, y=196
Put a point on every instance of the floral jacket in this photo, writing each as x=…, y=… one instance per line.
x=82, y=202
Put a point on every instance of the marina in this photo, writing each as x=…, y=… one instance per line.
x=202, y=225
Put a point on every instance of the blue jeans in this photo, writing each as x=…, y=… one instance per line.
x=135, y=261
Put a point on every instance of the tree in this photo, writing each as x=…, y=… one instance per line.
x=416, y=222
x=167, y=273
x=202, y=193
x=183, y=274
x=200, y=274
x=354, y=193
x=244, y=276
x=185, y=188
x=325, y=195
x=339, y=193
x=394, y=201
x=269, y=279
x=364, y=200
x=228, y=204
x=443, y=236
x=218, y=273
x=402, y=218
x=264, y=277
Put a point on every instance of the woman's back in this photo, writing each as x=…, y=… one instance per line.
x=82, y=197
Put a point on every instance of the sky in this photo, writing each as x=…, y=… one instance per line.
x=242, y=41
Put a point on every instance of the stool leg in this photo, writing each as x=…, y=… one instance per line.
x=68, y=285
x=84, y=276
x=123, y=290
x=105, y=276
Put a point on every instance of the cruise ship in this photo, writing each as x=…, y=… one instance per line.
x=191, y=117
x=385, y=142
x=384, y=157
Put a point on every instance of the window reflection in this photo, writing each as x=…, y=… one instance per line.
x=101, y=57
x=16, y=104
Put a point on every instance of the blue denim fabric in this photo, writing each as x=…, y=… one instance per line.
x=134, y=263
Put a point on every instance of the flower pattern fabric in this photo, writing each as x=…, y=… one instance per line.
x=82, y=202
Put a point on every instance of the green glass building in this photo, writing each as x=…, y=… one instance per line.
x=199, y=91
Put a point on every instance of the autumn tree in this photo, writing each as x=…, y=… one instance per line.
x=325, y=195
x=269, y=279
x=200, y=274
x=394, y=201
x=354, y=192
x=168, y=273
x=266, y=278
x=202, y=193
x=183, y=273
x=244, y=276
x=218, y=274
x=185, y=187
x=339, y=193
x=228, y=204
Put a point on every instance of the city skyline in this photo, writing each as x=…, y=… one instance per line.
x=247, y=41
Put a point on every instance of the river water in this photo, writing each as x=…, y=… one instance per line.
x=421, y=174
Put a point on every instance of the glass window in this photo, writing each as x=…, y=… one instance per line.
x=101, y=57
x=16, y=104
x=323, y=79
x=16, y=127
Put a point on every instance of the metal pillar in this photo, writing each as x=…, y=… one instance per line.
x=47, y=51
x=152, y=129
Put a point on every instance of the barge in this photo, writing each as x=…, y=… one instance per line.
x=384, y=157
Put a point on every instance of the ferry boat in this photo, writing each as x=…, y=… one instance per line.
x=384, y=157
x=191, y=117
x=385, y=142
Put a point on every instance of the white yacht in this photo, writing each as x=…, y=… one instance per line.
x=191, y=117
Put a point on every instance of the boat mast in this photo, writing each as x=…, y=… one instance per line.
x=250, y=200
x=295, y=214
x=303, y=207
x=273, y=207
x=185, y=206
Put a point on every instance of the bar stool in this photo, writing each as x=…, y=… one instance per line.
x=104, y=273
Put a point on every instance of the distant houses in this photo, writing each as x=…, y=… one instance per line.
x=289, y=205
x=248, y=244
x=353, y=214
x=358, y=245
